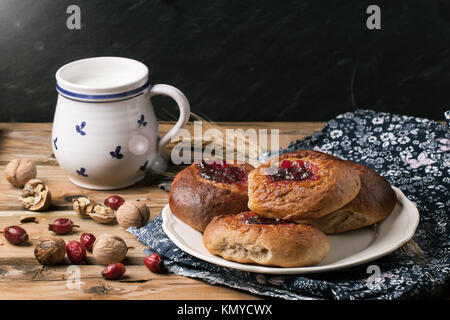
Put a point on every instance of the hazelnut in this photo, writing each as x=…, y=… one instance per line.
x=133, y=214
x=20, y=171
x=102, y=214
x=50, y=251
x=109, y=249
x=83, y=205
x=35, y=196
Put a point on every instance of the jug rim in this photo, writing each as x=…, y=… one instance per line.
x=101, y=78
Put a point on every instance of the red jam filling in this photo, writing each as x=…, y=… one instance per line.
x=222, y=172
x=297, y=170
x=253, y=218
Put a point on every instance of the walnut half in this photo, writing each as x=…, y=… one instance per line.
x=102, y=214
x=83, y=206
x=89, y=208
x=35, y=196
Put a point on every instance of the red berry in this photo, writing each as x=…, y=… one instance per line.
x=15, y=234
x=87, y=240
x=154, y=262
x=61, y=226
x=114, y=202
x=75, y=251
x=113, y=271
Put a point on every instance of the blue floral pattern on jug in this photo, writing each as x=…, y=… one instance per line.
x=143, y=167
x=79, y=128
x=54, y=143
x=142, y=122
x=116, y=153
x=82, y=172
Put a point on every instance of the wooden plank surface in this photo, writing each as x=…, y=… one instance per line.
x=20, y=275
x=32, y=140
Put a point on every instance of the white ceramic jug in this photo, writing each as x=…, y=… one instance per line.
x=105, y=133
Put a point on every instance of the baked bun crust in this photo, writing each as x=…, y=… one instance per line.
x=374, y=202
x=319, y=185
x=244, y=238
x=197, y=196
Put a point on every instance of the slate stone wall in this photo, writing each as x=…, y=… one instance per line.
x=265, y=60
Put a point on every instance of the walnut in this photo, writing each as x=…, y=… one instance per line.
x=35, y=196
x=83, y=206
x=102, y=214
x=50, y=251
x=20, y=171
x=133, y=214
x=109, y=249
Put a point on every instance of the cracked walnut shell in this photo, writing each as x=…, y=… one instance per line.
x=102, y=214
x=89, y=208
x=35, y=196
x=19, y=171
x=83, y=205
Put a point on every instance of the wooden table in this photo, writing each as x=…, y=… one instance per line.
x=21, y=277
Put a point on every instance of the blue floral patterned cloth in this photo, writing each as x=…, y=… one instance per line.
x=413, y=155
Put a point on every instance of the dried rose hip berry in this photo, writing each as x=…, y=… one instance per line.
x=114, y=202
x=15, y=234
x=113, y=271
x=87, y=240
x=75, y=251
x=154, y=262
x=62, y=226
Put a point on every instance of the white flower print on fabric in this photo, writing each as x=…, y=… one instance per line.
x=433, y=170
x=378, y=120
x=403, y=140
x=335, y=134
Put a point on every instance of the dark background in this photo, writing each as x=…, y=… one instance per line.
x=241, y=60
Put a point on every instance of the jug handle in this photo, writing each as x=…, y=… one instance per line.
x=183, y=105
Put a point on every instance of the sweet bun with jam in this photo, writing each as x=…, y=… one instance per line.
x=374, y=202
x=300, y=185
x=209, y=188
x=249, y=238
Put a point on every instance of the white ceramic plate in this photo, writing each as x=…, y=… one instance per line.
x=347, y=249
